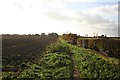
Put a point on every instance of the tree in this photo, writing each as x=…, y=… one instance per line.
x=102, y=36
x=105, y=35
x=71, y=38
x=43, y=34
x=37, y=35
x=53, y=34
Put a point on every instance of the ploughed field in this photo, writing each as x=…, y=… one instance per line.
x=19, y=49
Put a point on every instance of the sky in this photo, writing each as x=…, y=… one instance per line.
x=62, y=16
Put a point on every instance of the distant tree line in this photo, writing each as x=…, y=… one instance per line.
x=42, y=34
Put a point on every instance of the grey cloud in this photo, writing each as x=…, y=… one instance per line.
x=57, y=16
x=105, y=25
x=88, y=18
x=96, y=20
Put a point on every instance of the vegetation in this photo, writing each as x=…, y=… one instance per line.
x=19, y=49
x=92, y=64
x=53, y=64
x=56, y=59
x=107, y=45
x=71, y=38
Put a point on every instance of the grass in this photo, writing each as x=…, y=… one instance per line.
x=91, y=64
x=56, y=63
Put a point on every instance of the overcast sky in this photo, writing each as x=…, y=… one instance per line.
x=61, y=16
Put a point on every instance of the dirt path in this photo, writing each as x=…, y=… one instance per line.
x=75, y=70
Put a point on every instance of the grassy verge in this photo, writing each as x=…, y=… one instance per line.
x=91, y=64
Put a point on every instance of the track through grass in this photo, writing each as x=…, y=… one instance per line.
x=66, y=61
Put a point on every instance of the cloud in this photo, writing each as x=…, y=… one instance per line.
x=102, y=17
x=105, y=10
x=54, y=15
x=99, y=19
x=70, y=0
x=57, y=16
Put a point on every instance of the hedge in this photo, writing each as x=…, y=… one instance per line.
x=109, y=47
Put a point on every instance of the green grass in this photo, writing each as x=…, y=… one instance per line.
x=52, y=65
x=91, y=64
x=56, y=63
